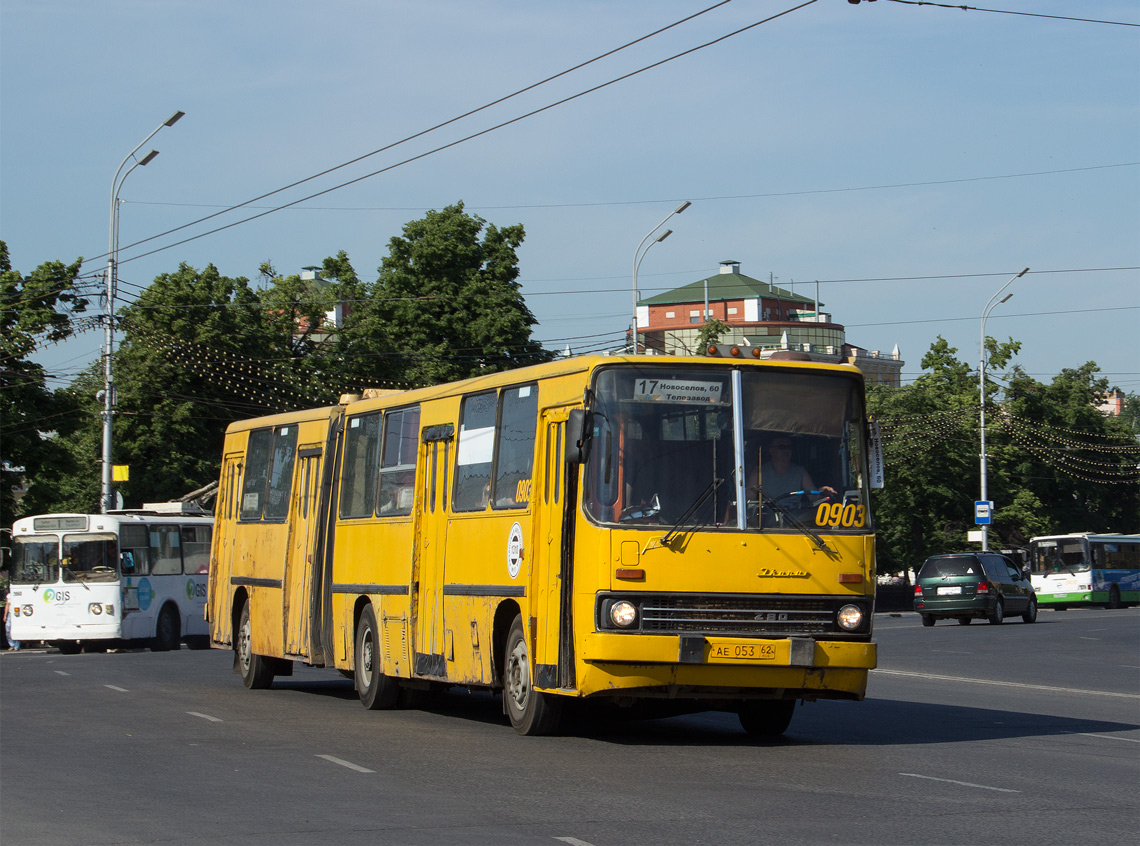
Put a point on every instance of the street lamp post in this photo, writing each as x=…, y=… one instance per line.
x=982, y=393
x=107, y=493
x=638, y=255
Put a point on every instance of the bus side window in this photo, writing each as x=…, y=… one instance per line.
x=474, y=453
x=134, y=557
x=196, y=549
x=165, y=551
x=518, y=421
x=398, y=461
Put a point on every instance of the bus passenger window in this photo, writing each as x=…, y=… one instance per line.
x=196, y=548
x=358, y=473
x=165, y=551
x=134, y=544
x=515, y=447
x=398, y=461
x=474, y=453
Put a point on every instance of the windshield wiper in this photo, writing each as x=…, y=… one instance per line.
x=796, y=524
x=74, y=575
x=683, y=520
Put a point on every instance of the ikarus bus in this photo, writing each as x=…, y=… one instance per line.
x=91, y=581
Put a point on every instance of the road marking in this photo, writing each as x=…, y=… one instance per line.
x=115, y=687
x=962, y=783
x=205, y=716
x=1009, y=684
x=348, y=764
x=574, y=841
x=1105, y=736
x=61, y=673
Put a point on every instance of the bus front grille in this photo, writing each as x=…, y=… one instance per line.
x=737, y=615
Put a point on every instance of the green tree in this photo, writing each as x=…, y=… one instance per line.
x=1055, y=463
x=36, y=309
x=448, y=303
x=710, y=333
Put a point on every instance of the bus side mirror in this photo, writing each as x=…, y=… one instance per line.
x=577, y=438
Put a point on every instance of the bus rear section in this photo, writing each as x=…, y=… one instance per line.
x=663, y=534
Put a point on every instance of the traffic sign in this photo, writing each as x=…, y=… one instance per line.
x=983, y=509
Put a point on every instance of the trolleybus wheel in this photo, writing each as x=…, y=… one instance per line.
x=167, y=634
x=531, y=712
x=256, y=671
x=928, y=620
x=375, y=689
x=69, y=647
x=766, y=717
x=965, y=621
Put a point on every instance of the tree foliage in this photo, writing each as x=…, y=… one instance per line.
x=1054, y=462
x=36, y=309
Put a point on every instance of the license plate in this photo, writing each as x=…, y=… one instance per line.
x=950, y=591
x=742, y=652
x=1060, y=595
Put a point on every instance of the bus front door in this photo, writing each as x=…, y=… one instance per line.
x=228, y=507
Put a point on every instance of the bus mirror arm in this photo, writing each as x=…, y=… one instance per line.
x=577, y=439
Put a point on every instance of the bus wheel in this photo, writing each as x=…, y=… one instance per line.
x=69, y=647
x=965, y=621
x=375, y=689
x=531, y=712
x=256, y=671
x=766, y=717
x=1114, y=597
x=928, y=620
x=167, y=634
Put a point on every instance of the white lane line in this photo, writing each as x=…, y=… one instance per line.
x=574, y=841
x=1010, y=684
x=962, y=783
x=116, y=687
x=1105, y=736
x=61, y=673
x=348, y=764
x=205, y=716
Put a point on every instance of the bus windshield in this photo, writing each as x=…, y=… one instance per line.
x=35, y=561
x=1060, y=556
x=90, y=558
x=671, y=445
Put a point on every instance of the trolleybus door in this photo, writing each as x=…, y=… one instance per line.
x=228, y=509
x=301, y=559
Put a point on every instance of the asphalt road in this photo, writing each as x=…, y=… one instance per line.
x=1021, y=734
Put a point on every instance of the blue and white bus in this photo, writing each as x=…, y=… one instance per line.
x=126, y=578
x=1086, y=569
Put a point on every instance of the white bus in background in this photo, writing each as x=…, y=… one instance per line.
x=126, y=578
x=1085, y=569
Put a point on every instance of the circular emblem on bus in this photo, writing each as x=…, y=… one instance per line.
x=145, y=594
x=190, y=589
x=515, y=550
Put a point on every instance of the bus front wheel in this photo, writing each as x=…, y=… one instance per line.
x=256, y=671
x=766, y=717
x=167, y=632
x=531, y=712
x=375, y=689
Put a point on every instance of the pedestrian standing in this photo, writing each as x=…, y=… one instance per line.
x=12, y=644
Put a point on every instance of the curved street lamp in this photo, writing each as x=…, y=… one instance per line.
x=107, y=493
x=638, y=255
x=982, y=392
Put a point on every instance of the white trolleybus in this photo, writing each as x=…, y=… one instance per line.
x=1086, y=569
x=126, y=578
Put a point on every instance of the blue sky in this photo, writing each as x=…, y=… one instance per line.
x=910, y=158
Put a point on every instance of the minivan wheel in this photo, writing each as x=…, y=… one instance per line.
x=927, y=620
x=998, y=616
x=1030, y=615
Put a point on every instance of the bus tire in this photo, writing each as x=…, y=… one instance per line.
x=928, y=620
x=766, y=717
x=1114, y=597
x=167, y=631
x=375, y=689
x=530, y=711
x=69, y=647
x=256, y=670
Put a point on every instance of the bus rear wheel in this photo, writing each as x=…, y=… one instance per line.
x=766, y=717
x=256, y=671
x=375, y=689
x=531, y=712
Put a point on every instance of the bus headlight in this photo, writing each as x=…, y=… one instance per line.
x=95, y=608
x=850, y=617
x=623, y=613
x=27, y=610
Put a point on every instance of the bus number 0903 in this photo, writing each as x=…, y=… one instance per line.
x=836, y=514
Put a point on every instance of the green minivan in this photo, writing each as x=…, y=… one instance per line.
x=965, y=585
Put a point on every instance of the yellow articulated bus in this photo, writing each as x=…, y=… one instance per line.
x=674, y=533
